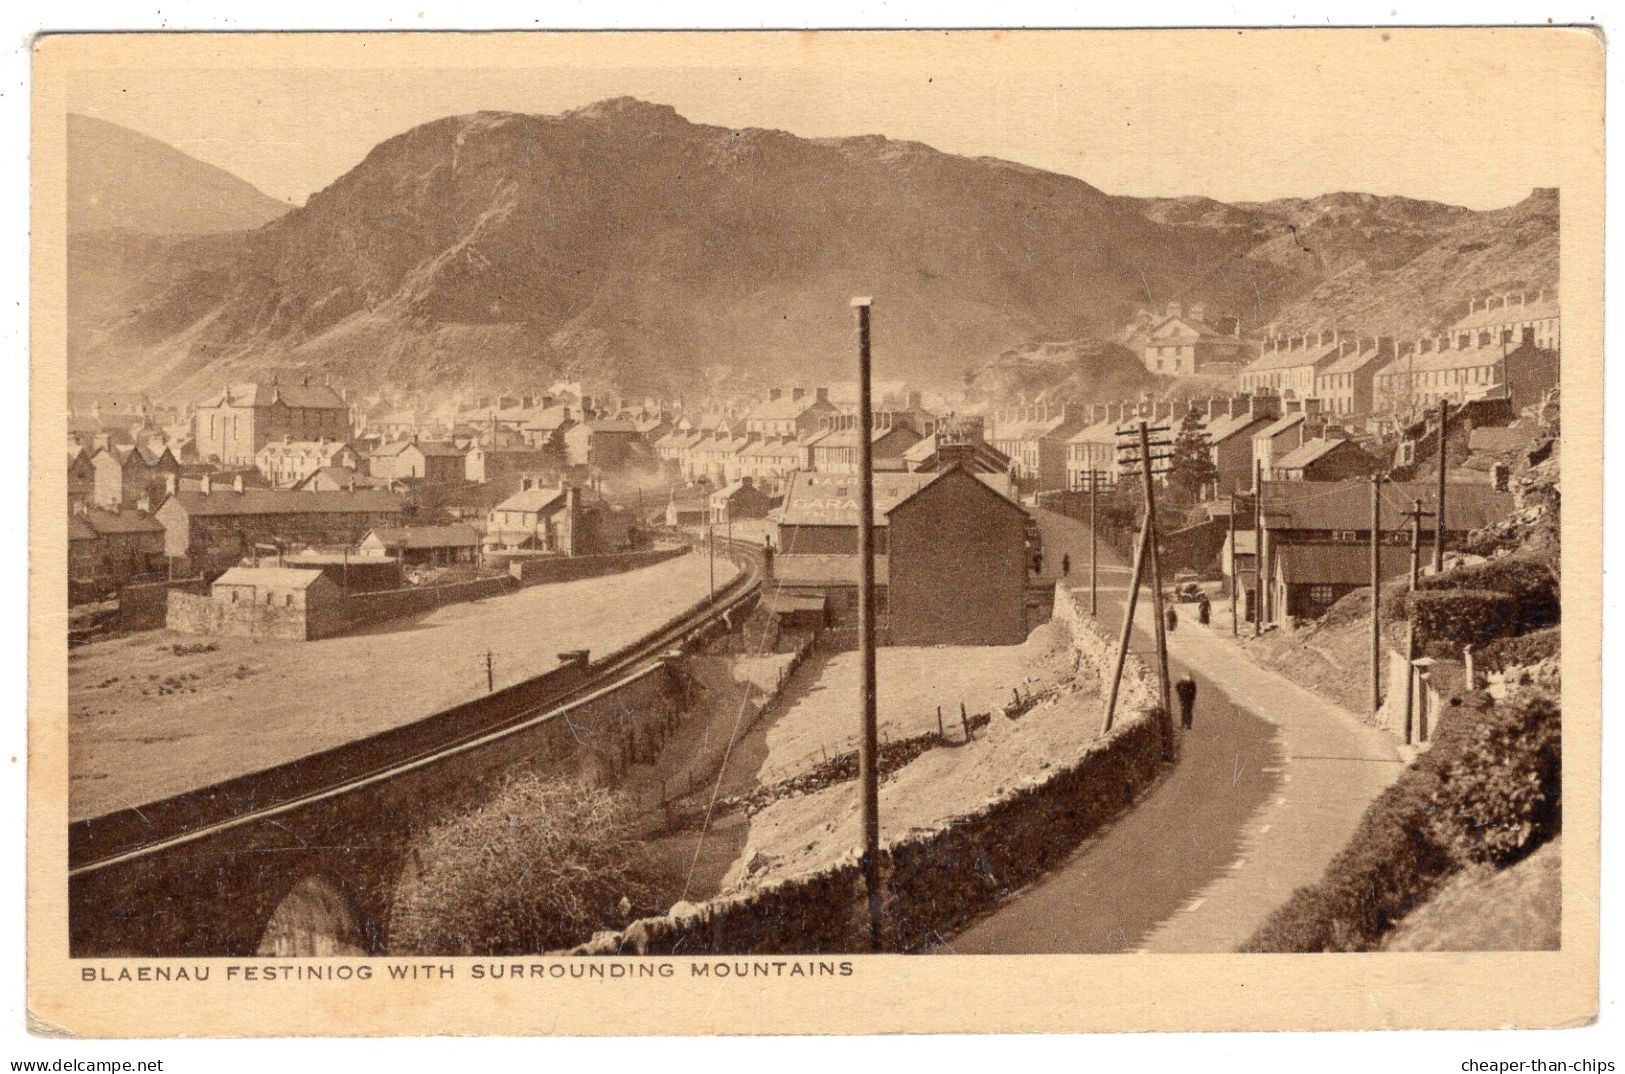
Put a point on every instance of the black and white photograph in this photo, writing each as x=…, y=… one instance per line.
x=573, y=506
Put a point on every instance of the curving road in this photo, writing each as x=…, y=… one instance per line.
x=1270, y=784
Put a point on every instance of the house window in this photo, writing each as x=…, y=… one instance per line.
x=1346, y=536
x=1320, y=594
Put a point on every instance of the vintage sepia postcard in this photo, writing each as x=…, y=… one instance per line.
x=815, y=532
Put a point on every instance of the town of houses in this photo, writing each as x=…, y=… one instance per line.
x=377, y=489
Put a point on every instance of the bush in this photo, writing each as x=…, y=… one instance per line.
x=1501, y=794
x=1530, y=579
x=1489, y=790
x=1452, y=618
x=1522, y=651
x=533, y=869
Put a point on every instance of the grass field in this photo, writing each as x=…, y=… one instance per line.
x=146, y=722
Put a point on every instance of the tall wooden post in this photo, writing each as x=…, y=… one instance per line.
x=1156, y=591
x=1128, y=627
x=1235, y=582
x=1258, y=548
x=1376, y=592
x=1438, y=532
x=1410, y=619
x=1094, y=542
x=868, y=770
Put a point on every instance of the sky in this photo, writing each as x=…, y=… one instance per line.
x=1447, y=115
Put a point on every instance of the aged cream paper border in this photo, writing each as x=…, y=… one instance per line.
x=884, y=993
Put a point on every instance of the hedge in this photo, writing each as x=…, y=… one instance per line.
x=1447, y=619
x=1530, y=579
x=1523, y=650
x=1489, y=790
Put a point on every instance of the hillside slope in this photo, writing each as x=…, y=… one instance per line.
x=121, y=180
x=622, y=244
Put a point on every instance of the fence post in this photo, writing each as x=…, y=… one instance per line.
x=940, y=734
x=964, y=720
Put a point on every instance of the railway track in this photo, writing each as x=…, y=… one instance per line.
x=153, y=828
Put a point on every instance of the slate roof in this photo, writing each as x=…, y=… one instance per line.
x=1533, y=311
x=275, y=502
x=278, y=577
x=531, y=500
x=320, y=396
x=1355, y=361
x=456, y=535
x=1289, y=359
x=1222, y=429
x=1337, y=564
x=1280, y=425
x=344, y=477
x=812, y=499
x=1307, y=453
x=1346, y=505
x=427, y=447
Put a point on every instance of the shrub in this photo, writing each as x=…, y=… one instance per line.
x=1523, y=650
x=538, y=865
x=1530, y=579
x=1500, y=795
x=1457, y=617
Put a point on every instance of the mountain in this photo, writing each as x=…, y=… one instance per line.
x=624, y=245
x=121, y=180
x=1465, y=255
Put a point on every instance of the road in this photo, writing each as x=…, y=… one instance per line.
x=1269, y=785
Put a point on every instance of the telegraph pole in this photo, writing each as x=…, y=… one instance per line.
x=490, y=674
x=711, y=551
x=1094, y=574
x=868, y=768
x=1156, y=574
x=1128, y=628
x=1376, y=592
x=1438, y=533
x=1148, y=551
x=1258, y=548
x=1235, y=587
x=1417, y=514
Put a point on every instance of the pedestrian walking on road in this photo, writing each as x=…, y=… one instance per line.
x=1173, y=620
x=1185, y=689
x=1066, y=563
x=1204, y=611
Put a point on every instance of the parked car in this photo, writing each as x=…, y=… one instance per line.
x=1187, y=587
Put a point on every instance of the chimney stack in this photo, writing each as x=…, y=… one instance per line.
x=773, y=394
x=237, y=483
x=169, y=484
x=205, y=484
x=823, y=395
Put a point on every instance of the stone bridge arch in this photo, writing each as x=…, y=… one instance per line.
x=318, y=917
